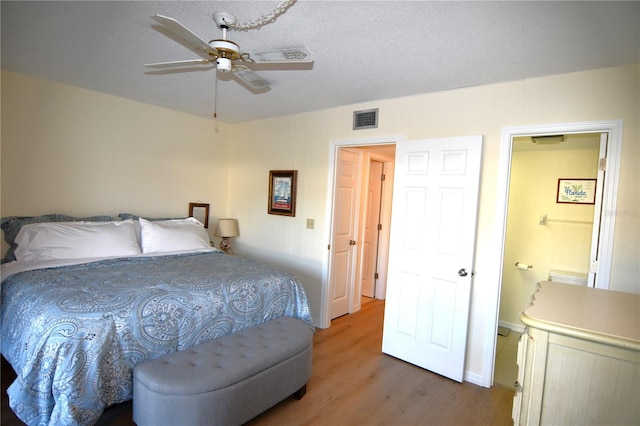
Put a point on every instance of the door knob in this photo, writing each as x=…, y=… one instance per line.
x=352, y=243
x=463, y=272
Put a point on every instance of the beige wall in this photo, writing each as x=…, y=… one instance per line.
x=556, y=245
x=80, y=152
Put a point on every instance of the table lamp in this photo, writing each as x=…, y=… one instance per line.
x=226, y=228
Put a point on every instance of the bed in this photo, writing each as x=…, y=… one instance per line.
x=73, y=328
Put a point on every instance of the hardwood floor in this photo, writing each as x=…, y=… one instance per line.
x=353, y=383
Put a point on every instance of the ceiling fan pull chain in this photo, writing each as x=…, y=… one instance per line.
x=215, y=97
x=265, y=19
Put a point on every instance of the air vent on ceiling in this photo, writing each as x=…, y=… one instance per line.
x=366, y=119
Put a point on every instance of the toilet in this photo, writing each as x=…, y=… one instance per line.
x=568, y=277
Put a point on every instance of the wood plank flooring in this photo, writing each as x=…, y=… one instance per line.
x=353, y=383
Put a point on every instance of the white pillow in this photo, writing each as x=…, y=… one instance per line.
x=76, y=240
x=172, y=235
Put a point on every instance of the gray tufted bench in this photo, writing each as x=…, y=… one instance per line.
x=226, y=381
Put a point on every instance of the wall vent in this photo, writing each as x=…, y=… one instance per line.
x=365, y=119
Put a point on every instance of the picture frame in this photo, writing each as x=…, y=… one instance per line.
x=576, y=191
x=200, y=211
x=282, y=192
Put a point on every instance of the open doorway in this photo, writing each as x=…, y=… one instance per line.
x=612, y=130
x=360, y=226
x=544, y=236
x=362, y=261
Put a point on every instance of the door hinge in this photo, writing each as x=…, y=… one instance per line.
x=602, y=164
x=329, y=247
x=593, y=268
x=379, y=227
x=382, y=177
x=376, y=276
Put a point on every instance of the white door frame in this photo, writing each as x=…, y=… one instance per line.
x=334, y=145
x=607, y=224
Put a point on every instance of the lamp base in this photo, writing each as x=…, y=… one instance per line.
x=225, y=245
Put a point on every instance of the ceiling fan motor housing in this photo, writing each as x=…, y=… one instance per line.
x=227, y=51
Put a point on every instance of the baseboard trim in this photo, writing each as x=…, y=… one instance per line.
x=518, y=328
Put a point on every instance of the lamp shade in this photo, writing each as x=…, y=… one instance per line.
x=226, y=228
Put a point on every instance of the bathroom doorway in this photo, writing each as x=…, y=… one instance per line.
x=543, y=234
x=538, y=223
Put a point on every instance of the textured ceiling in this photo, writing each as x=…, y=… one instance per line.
x=363, y=50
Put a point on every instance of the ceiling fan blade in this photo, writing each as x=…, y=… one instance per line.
x=280, y=56
x=184, y=33
x=250, y=78
x=187, y=62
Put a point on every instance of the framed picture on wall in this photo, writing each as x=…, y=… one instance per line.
x=200, y=211
x=576, y=191
x=282, y=192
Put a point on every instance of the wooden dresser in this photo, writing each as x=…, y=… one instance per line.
x=579, y=358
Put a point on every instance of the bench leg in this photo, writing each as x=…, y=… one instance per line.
x=300, y=392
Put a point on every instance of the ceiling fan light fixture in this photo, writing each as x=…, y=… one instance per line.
x=223, y=64
x=226, y=51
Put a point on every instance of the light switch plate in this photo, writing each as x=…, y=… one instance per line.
x=311, y=223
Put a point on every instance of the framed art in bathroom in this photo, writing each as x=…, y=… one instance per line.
x=576, y=191
x=282, y=192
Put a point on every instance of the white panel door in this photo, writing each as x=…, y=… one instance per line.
x=345, y=215
x=371, y=230
x=433, y=228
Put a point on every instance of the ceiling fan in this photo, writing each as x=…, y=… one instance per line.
x=225, y=54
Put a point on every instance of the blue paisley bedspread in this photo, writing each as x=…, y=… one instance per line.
x=74, y=333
